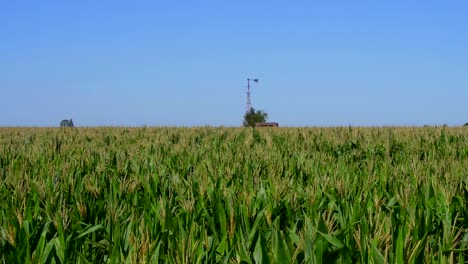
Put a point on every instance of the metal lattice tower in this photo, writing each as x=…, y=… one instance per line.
x=249, y=105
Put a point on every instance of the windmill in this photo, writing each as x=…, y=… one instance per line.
x=249, y=105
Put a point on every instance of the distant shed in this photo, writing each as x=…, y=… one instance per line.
x=267, y=124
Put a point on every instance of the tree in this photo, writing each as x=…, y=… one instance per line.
x=66, y=123
x=254, y=116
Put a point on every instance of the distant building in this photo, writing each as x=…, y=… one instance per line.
x=66, y=123
x=267, y=124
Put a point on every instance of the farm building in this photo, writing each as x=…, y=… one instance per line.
x=267, y=124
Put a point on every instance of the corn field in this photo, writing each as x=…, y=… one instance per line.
x=234, y=195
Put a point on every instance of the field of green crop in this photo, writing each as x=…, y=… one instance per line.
x=234, y=195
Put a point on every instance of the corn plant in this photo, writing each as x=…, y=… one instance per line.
x=234, y=195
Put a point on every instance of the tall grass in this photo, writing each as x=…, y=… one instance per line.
x=228, y=195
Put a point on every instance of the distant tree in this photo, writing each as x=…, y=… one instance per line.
x=466, y=124
x=66, y=123
x=254, y=116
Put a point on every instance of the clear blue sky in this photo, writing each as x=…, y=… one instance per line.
x=161, y=63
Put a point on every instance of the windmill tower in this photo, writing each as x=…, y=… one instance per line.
x=249, y=105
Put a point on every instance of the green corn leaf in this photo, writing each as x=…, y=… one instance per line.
x=400, y=246
x=375, y=255
x=89, y=231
